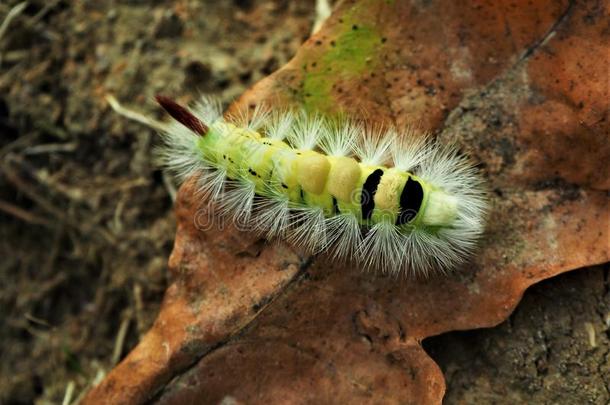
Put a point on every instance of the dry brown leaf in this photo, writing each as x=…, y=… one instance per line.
x=522, y=86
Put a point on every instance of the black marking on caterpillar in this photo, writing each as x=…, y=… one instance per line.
x=367, y=197
x=336, y=209
x=327, y=186
x=410, y=201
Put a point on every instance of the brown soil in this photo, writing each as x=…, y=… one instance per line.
x=554, y=349
x=87, y=222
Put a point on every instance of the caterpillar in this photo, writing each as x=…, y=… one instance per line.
x=328, y=185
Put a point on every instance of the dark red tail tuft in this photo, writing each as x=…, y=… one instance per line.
x=182, y=115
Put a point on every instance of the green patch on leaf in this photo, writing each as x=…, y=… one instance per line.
x=352, y=53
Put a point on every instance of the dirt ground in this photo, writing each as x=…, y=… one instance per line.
x=87, y=223
x=554, y=349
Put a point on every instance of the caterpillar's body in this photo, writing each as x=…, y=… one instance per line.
x=424, y=212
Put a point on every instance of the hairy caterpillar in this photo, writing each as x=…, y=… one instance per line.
x=325, y=186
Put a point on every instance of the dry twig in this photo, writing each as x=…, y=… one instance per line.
x=134, y=115
x=12, y=14
x=23, y=214
x=120, y=340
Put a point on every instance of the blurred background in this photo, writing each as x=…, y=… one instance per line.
x=86, y=218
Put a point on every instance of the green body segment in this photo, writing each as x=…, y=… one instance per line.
x=335, y=184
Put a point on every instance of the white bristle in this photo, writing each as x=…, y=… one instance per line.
x=309, y=230
x=280, y=125
x=210, y=183
x=253, y=120
x=273, y=216
x=382, y=248
x=237, y=200
x=373, y=148
x=208, y=109
x=410, y=149
x=306, y=131
x=344, y=236
x=339, y=138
